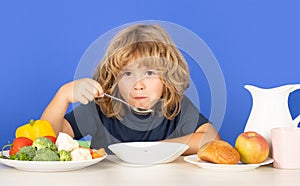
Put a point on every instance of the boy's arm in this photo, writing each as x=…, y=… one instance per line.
x=56, y=111
x=82, y=90
x=203, y=134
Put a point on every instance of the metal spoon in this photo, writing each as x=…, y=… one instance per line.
x=136, y=109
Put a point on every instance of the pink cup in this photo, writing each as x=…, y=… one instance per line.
x=286, y=147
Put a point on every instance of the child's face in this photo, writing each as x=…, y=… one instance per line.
x=140, y=86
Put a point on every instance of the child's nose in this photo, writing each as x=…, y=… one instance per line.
x=139, y=85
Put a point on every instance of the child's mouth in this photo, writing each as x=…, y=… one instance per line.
x=139, y=98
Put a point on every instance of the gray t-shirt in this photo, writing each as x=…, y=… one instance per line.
x=89, y=120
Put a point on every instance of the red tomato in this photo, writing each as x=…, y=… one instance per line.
x=18, y=144
x=52, y=138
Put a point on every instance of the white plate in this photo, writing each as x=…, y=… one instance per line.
x=49, y=166
x=224, y=167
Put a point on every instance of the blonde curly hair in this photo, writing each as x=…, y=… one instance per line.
x=155, y=48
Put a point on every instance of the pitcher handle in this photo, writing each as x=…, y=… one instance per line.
x=296, y=121
x=295, y=87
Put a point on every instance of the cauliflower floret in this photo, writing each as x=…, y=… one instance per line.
x=81, y=154
x=66, y=142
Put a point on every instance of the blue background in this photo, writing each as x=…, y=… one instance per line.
x=41, y=43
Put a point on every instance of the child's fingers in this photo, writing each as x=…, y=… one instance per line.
x=87, y=90
x=82, y=99
x=87, y=93
x=96, y=89
x=99, y=89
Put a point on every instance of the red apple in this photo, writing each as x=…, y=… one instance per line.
x=253, y=147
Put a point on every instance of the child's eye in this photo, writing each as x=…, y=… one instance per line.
x=126, y=74
x=150, y=73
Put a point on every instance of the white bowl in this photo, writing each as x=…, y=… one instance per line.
x=147, y=153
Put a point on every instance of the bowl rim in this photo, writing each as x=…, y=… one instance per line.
x=151, y=143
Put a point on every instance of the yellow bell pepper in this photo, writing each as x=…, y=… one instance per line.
x=35, y=129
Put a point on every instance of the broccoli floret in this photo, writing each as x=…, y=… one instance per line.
x=46, y=154
x=13, y=157
x=43, y=142
x=64, y=155
x=26, y=153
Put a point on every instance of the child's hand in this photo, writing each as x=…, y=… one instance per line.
x=82, y=90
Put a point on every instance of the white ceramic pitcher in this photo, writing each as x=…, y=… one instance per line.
x=270, y=109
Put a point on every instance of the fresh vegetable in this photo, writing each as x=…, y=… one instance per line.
x=43, y=149
x=98, y=153
x=26, y=153
x=46, y=154
x=3, y=148
x=64, y=155
x=66, y=142
x=53, y=139
x=3, y=157
x=18, y=143
x=43, y=142
x=35, y=129
x=81, y=154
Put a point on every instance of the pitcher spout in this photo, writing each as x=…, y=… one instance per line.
x=251, y=88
